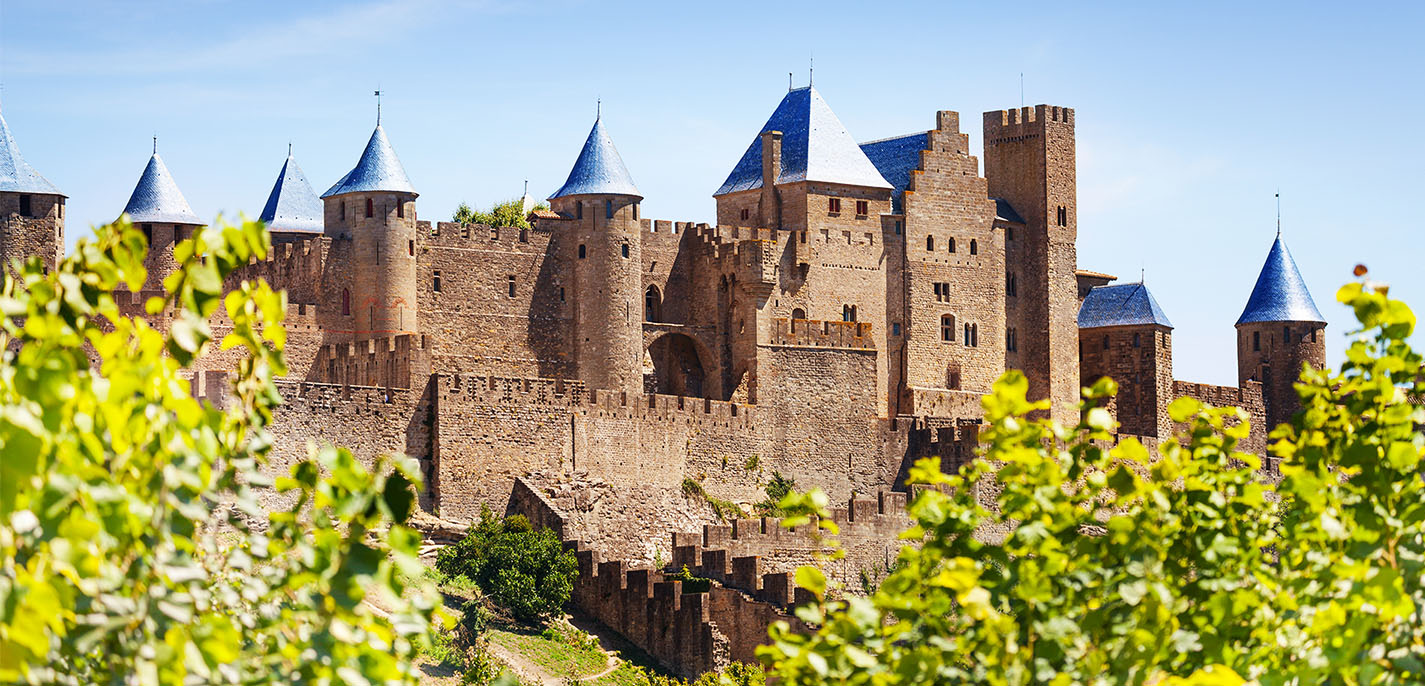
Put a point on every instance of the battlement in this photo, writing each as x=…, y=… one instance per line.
x=669, y=227
x=1005, y=126
x=457, y=235
x=319, y=394
x=391, y=362
x=577, y=397
x=821, y=334
x=296, y=266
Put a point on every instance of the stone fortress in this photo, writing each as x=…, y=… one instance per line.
x=840, y=321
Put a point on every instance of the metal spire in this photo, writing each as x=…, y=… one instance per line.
x=378, y=107
x=598, y=109
x=789, y=82
x=1279, y=213
x=289, y=148
x=155, y=144
x=811, y=70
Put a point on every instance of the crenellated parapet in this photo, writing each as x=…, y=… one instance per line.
x=576, y=397
x=401, y=361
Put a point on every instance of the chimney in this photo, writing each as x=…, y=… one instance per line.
x=771, y=206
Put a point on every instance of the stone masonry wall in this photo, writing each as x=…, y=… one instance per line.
x=37, y=234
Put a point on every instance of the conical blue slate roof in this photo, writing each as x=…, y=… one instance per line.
x=1280, y=294
x=377, y=170
x=1127, y=304
x=156, y=198
x=17, y=176
x=599, y=169
x=815, y=147
x=293, y=205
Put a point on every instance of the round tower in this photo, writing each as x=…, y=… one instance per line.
x=31, y=208
x=601, y=235
x=159, y=209
x=370, y=215
x=1278, y=332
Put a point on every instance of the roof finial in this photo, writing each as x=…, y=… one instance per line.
x=155, y=144
x=789, y=82
x=289, y=148
x=811, y=70
x=598, y=109
x=378, y=107
x=526, y=186
x=1279, y=213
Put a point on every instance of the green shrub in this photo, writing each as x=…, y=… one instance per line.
x=1189, y=566
x=525, y=571
x=508, y=213
x=691, y=584
x=776, y=489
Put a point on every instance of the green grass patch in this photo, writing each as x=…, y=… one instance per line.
x=553, y=652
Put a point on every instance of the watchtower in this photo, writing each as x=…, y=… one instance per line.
x=159, y=209
x=1124, y=334
x=599, y=234
x=1029, y=163
x=31, y=208
x=1278, y=332
x=370, y=215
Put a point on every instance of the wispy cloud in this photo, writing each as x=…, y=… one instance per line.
x=376, y=24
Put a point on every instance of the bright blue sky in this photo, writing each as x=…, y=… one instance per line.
x=1189, y=117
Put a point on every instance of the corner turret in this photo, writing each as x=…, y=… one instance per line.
x=293, y=210
x=370, y=215
x=31, y=208
x=600, y=239
x=1280, y=330
x=1124, y=334
x=159, y=209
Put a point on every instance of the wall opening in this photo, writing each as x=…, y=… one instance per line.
x=652, y=305
x=677, y=369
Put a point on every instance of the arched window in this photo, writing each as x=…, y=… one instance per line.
x=345, y=302
x=799, y=313
x=848, y=313
x=652, y=305
x=624, y=249
x=967, y=333
x=974, y=247
x=930, y=243
x=510, y=284
x=947, y=328
x=974, y=335
x=368, y=207
x=952, y=245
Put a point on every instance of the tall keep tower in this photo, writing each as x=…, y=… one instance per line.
x=1029, y=163
x=31, y=208
x=371, y=219
x=600, y=236
x=1278, y=332
x=160, y=210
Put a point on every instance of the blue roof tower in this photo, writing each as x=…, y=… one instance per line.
x=1128, y=304
x=599, y=170
x=16, y=175
x=156, y=198
x=378, y=170
x=1280, y=294
x=292, y=205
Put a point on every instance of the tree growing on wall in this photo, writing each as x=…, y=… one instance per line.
x=1099, y=565
x=132, y=545
x=507, y=213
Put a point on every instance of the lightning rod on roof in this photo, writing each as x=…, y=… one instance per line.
x=789, y=82
x=811, y=70
x=1279, y=213
x=598, y=108
x=155, y=144
x=378, y=107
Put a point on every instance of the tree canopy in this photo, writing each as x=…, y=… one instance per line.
x=1096, y=563
x=133, y=548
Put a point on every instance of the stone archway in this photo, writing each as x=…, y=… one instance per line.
x=678, y=368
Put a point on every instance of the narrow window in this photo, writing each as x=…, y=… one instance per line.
x=834, y=205
x=345, y=302
x=464, y=230
x=341, y=207
x=1313, y=335
x=952, y=245
x=1009, y=233
x=799, y=313
x=1063, y=216
x=848, y=313
x=608, y=209
x=24, y=206
x=435, y=282
x=1105, y=341
x=1256, y=341
x=524, y=235
x=625, y=249
x=510, y=284
x=967, y=334
x=652, y=305
x=400, y=209
x=895, y=328
x=930, y=243
x=745, y=213
x=974, y=335
x=974, y=247
x=561, y=294
x=369, y=210
x=1286, y=335
x=494, y=233
x=148, y=233
x=863, y=207
x=1137, y=341
x=635, y=211
x=582, y=252
x=1009, y=285
x=578, y=210
x=411, y=248
x=898, y=227
x=947, y=328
